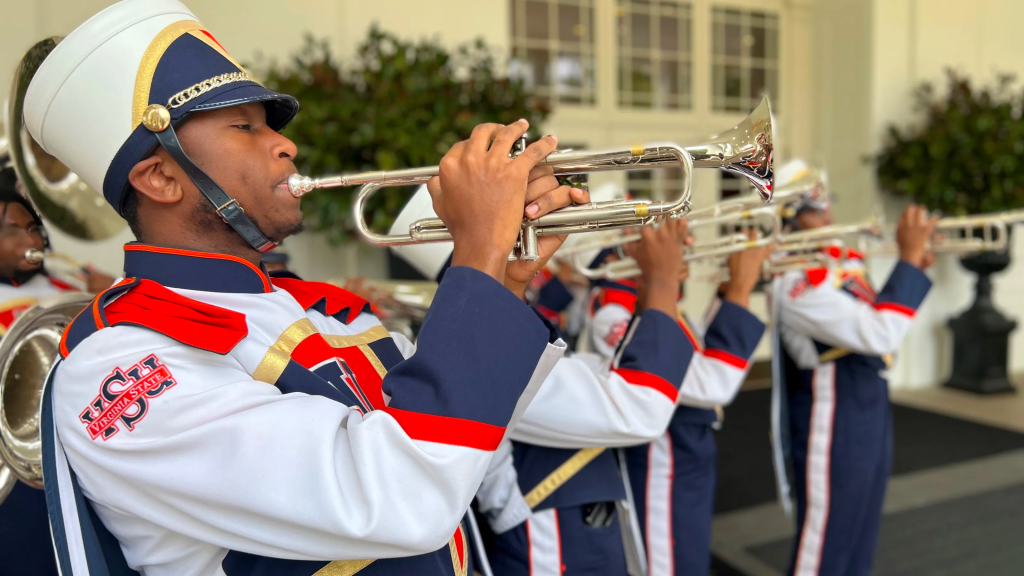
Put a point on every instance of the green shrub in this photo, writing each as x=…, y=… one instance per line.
x=967, y=157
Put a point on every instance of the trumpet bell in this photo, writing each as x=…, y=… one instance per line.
x=27, y=353
x=57, y=193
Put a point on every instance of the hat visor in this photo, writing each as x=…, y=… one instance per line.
x=281, y=108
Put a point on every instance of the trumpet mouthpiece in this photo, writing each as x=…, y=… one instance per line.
x=299, y=185
x=34, y=256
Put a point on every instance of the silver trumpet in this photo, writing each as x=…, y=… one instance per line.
x=956, y=235
x=776, y=264
x=758, y=219
x=746, y=149
x=817, y=238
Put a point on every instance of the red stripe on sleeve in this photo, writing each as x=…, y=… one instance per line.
x=894, y=307
x=730, y=359
x=639, y=378
x=448, y=430
x=548, y=313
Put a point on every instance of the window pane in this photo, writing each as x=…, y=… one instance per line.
x=640, y=31
x=757, y=42
x=537, y=20
x=641, y=78
x=771, y=44
x=570, y=28
x=733, y=82
x=669, y=32
x=733, y=40
x=569, y=70
x=757, y=82
x=539, y=67
x=668, y=85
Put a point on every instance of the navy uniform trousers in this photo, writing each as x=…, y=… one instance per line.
x=558, y=540
x=25, y=546
x=675, y=476
x=842, y=437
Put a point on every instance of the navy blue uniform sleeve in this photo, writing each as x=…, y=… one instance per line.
x=655, y=352
x=477, y=351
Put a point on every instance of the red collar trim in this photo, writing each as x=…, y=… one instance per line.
x=325, y=298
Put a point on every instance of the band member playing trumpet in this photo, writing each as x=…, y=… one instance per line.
x=551, y=496
x=673, y=478
x=831, y=418
x=218, y=422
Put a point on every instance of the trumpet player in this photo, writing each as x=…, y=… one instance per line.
x=213, y=421
x=550, y=496
x=673, y=478
x=831, y=414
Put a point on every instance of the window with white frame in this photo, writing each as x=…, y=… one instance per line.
x=655, y=55
x=744, y=58
x=553, y=48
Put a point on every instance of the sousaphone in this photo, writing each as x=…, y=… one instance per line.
x=30, y=347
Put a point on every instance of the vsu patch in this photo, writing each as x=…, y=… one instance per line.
x=124, y=397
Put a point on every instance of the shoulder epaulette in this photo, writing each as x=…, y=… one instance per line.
x=147, y=304
x=325, y=298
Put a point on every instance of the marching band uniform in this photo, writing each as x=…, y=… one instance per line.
x=16, y=297
x=215, y=422
x=24, y=530
x=673, y=478
x=831, y=416
x=550, y=498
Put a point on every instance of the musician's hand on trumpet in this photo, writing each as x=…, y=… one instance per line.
x=913, y=233
x=544, y=193
x=659, y=254
x=745, y=270
x=480, y=194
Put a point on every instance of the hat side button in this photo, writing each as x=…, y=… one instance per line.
x=156, y=118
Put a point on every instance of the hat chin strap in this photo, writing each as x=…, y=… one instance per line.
x=226, y=206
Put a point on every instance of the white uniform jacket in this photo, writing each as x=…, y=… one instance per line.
x=823, y=314
x=594, y=401
x=719, y=365
x=211, y=417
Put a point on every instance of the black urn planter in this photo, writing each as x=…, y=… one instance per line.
x=981, y=334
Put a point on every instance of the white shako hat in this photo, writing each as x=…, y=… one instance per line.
x=432, y=258
x=116, y=87
x=792, y=171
